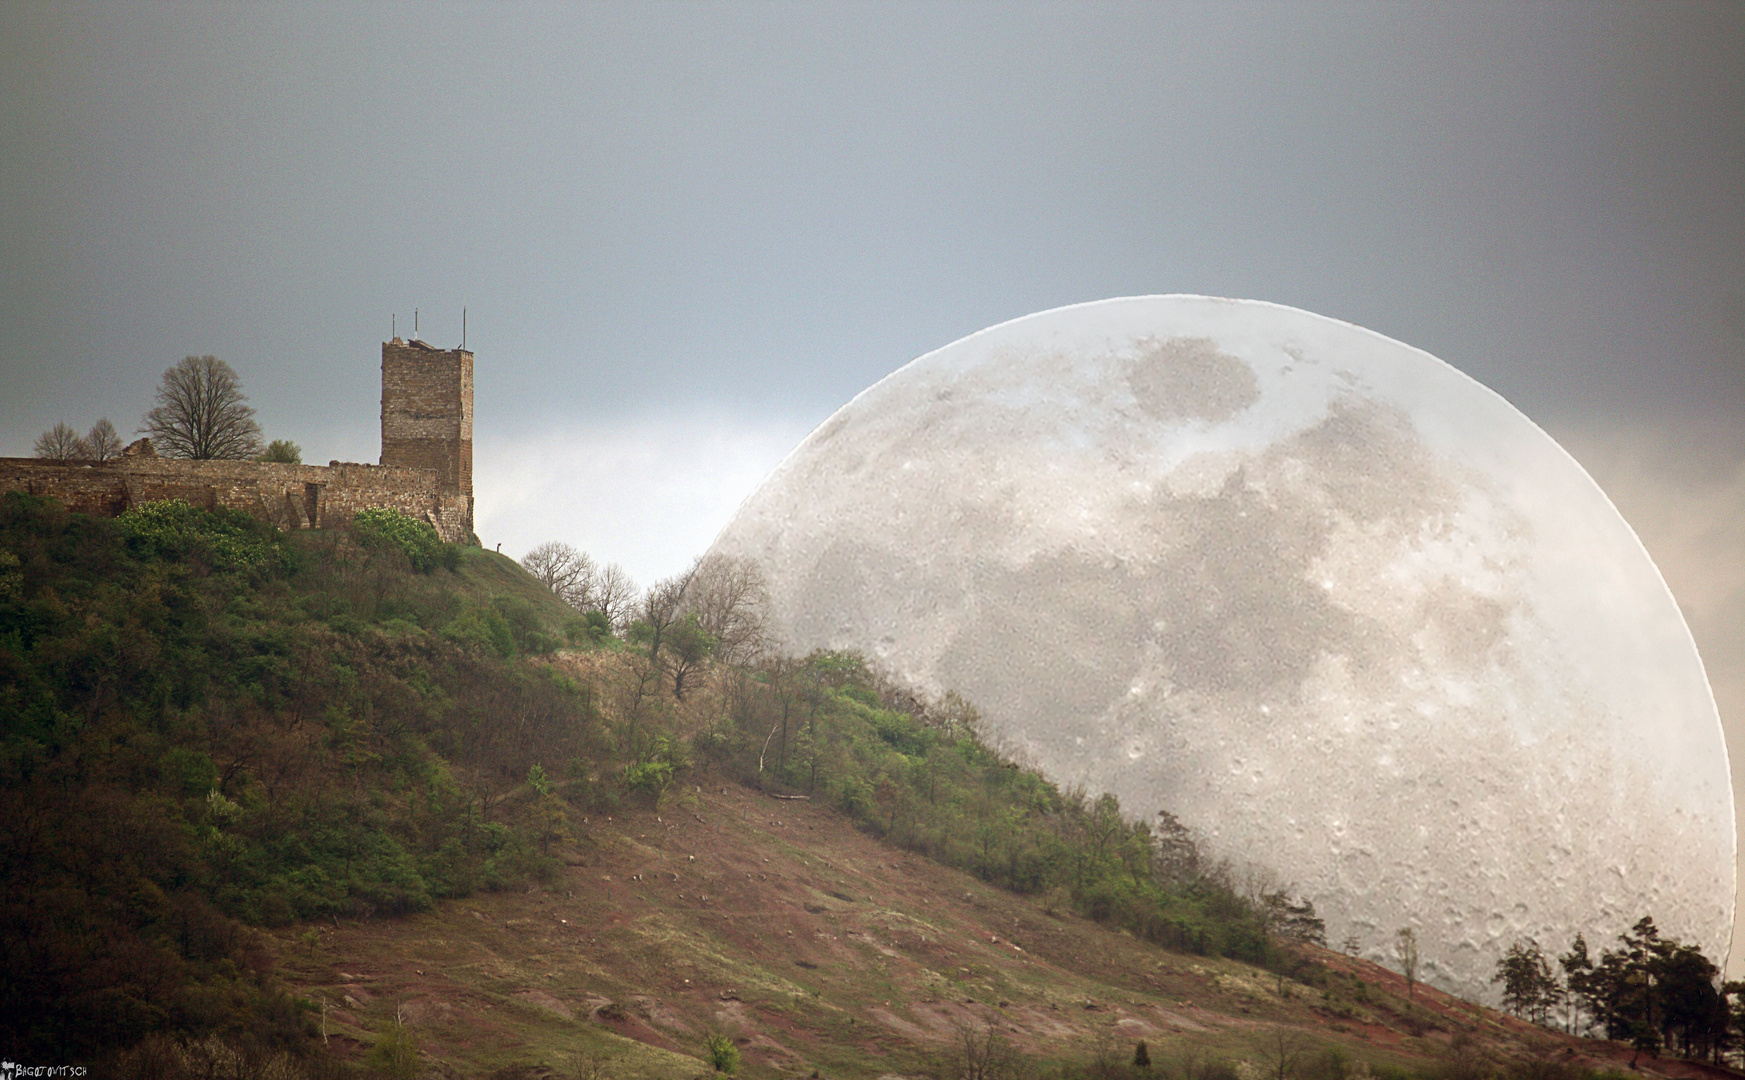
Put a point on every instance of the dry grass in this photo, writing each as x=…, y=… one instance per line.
x=814, y=947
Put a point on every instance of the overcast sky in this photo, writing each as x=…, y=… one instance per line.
x=685, y=233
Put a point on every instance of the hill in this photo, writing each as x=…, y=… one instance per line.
x=341, y=801
x=815, y=947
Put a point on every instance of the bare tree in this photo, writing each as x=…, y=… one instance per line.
x=981, y=1053
x=104, y=443
x=728, y=596
x=1406, y=948
x=61, y=443
x=200, y=413
x=565, y=571
x=1281, y=1051
x=615, y=596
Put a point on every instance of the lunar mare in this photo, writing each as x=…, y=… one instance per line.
x=1341, y=609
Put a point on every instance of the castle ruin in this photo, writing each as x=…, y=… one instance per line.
x=425, y=472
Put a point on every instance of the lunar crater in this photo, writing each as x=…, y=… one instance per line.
x=1342, y=619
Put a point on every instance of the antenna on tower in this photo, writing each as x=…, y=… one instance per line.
x=396, y=324
x=415, y=336
x=463, y=328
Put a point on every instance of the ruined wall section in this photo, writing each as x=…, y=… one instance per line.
x=289, y=496
x=427, y=413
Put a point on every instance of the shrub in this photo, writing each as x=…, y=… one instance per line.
x=395, y=1053
x=651, y=778
x=283, y=452
x=385, y=527
x=483, y=627
x=723, y=1055
x=222, y=538
x=588, y=629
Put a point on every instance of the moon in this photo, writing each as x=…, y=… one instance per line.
x=1344, y=611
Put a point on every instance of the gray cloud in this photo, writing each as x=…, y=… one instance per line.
x=754, y=205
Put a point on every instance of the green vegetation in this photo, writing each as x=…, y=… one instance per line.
x=1650, y=991
x=283, y=452
x=381, y=527
x=722, y=1054
x=924, y=780
x=395, y=1055
x=211, y=725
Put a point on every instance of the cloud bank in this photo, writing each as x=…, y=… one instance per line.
x=648, y=492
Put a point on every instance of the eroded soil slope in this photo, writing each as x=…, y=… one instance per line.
x=817, y=948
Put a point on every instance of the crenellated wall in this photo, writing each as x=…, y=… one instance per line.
x=289, y=496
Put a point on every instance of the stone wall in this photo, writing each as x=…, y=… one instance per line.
x=427, y=411
x=289, y=496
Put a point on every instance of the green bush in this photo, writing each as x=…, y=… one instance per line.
x=482, y=627
x=222, y=538
x=384, y=527
x=588, y=629
x=283, y=452
x=137, y=683
x=927, y=783
x=723, y=1055
x=395, y=1054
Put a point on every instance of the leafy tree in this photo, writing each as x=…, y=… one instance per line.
x=1293, y=920
x=676, y=641
x=61, y=443
x=1529, y=988
x=282, y=452
x=1178, y=857
x=1629, y=976
x=200, y=413
x=1584, y=991
x=102, y=441
x=1657, y=993
x=1694, y=1015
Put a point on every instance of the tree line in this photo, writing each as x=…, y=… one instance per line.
x=1651, y=991
x=201, y=414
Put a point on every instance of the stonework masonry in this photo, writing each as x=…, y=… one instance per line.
x=426, y=469
x=427, y=411
x=289, y=496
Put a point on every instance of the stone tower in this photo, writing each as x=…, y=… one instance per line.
x=427, y=413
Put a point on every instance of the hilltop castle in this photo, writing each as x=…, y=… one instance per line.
x=426, y=468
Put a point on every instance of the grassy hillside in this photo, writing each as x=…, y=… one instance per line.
x=359, y=803
x=812, y=946
x=211, y=726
